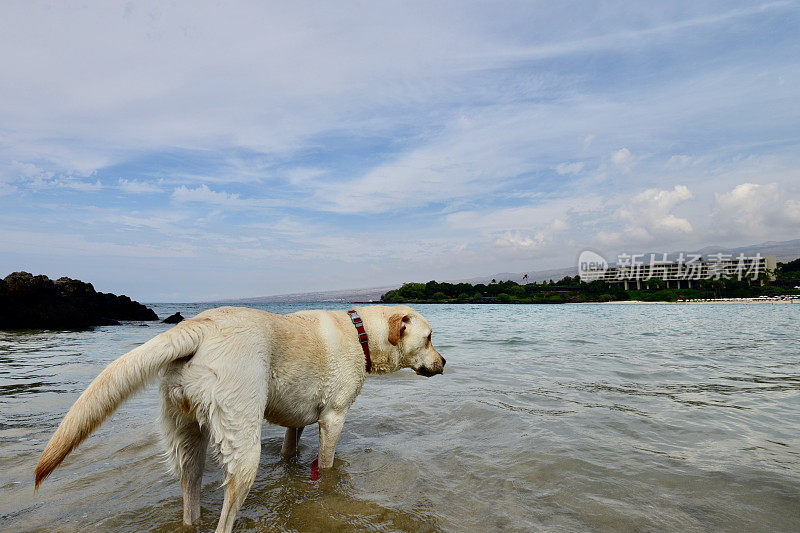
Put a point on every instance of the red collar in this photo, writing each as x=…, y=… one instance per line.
x=362, y=336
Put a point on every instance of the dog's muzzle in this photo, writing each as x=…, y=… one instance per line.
x=427, y=372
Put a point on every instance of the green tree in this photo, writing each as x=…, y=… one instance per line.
x=412, y=291
x=517, y=291
x=393, y=296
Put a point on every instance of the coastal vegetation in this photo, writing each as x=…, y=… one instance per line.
x=37, y=302
x=571, y=289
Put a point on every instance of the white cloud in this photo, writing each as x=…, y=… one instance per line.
x=756, y=210
x=624, y=38
x=232, y=201
x=203, y=194
x=623, y=159
x=30, y=176
x=27, y=174
x=137, y=186
x=529, y=241
x=679, y=161
x=158, y=93
x=77, y=184
x=456, y=164
x=569, y=168
x=647, y=217
x=70, y=244
x=300, y=175
x=517, y=233
x=662, y=200
x=517, y=239
x=27, y=170
x=519, y=218
x=167, y=224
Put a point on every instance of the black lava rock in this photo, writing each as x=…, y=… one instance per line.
x=37, y=302
x=173, y=319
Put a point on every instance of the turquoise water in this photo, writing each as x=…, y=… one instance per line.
x=554, y=418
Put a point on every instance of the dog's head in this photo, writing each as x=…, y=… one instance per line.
x=411, y=334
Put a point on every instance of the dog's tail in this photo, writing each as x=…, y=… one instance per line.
x=116, y=383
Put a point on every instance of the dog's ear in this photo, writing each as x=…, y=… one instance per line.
x=397, y=326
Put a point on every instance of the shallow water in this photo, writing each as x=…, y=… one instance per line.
x=562, y=417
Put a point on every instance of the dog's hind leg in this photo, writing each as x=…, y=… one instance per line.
x=291, y=440
x=187, y=443
x=240, y=454
x=192, y=475
x=235, y=419
x=238, y=484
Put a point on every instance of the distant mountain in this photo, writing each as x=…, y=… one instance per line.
x=538, y=276
x=784, y=251
x=346, y=295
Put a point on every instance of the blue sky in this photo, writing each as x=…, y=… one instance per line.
x=200, y=150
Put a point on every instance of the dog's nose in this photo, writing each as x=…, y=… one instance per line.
x=444, y=361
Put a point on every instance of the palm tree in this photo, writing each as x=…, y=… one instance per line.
x=525, y=277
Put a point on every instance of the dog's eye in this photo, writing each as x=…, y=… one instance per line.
x=428, y=340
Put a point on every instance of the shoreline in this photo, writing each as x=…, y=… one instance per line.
x=614, y=302
x=742, y=301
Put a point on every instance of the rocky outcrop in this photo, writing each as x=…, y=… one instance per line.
x=37, y=302
x=173, y=319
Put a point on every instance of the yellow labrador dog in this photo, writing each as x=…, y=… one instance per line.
x=227, y=369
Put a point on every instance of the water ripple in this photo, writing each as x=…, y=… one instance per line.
x=556, y=418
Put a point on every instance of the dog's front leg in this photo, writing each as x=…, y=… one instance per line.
x=330, y=426
x=290, y=441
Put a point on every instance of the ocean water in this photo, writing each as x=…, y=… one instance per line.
x=547, y=418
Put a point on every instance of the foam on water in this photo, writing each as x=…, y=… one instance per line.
x=570, y=417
